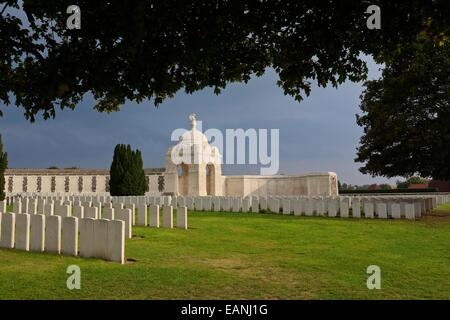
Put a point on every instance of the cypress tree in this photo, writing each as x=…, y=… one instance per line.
x=127, y=176
x=3, y=166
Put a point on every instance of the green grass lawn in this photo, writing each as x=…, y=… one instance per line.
x=252, y=256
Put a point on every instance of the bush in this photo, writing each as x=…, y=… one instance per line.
x=127, y=176
x=422, y=190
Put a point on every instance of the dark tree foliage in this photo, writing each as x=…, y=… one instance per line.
x=406, y=116
x=144, y=49
x=3, y=166
x=127, y=176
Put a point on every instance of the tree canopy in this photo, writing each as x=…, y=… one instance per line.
x=406, y=116
x=140, y=49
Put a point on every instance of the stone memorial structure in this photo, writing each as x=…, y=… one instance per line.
x=198, y=178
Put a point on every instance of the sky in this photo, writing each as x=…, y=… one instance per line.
x=318, y=134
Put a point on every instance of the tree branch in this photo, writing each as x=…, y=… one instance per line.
x=4, y=8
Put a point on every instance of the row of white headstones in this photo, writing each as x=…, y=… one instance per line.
x=344, y=207
x=384, y=207
x=390, y=206
x=90, y=238
x=59, y=227
x=63, y=224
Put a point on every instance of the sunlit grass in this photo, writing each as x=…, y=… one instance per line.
x=252, y=256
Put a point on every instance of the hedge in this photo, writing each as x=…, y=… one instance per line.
x=420, y=190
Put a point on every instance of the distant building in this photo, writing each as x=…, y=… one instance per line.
x=443, y=186
x=418, y=186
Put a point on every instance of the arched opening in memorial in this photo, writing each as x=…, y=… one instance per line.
x=210, y=179
x=183, y=179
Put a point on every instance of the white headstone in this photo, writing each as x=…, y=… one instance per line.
x=245, y=205
x=181, y=201
x=132, y=207
x=182, y=218
x=2, y=206
x=167, y=200
x=37, y=226
x=53, y=234
x=368, y=209
x=154, y=215
x=298, y=207
x=22, y=231
x=410, y=211
x=343, y=210
x=190, y=203
x=40, y=206
x=263, y=203
x=174, y=202
x=309, y=207
x=142, y=215
x=168, y=216
x=86, y=237
x=255, y=204
x=100, y=238
x=207, y=204
x=332, y=208
x=65, y=211
x=225, y=203
x=320, y=207
x=274, y=205
x=69, y=236
x=107, y=205
x=57, y=209
x=86, y=203
x=118, y=205
x=286, y=204
x=237, y=204
x=32, y=206
x=116, y=241
x=67, y=203
x=356, y=208
x=417, y=209
x=91, y=212
x=48, y=209
x=108, y=213
x=381, y=208
x=8, y=230
x=78, y=212
x=198, y=203
x=17, y=206
x=25, y=203
x=125, y=215
x=216, y=204
x=98, y=205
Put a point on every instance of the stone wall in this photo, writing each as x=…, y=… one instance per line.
x=71, y=181
x=95, y=181
x=315, y=184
